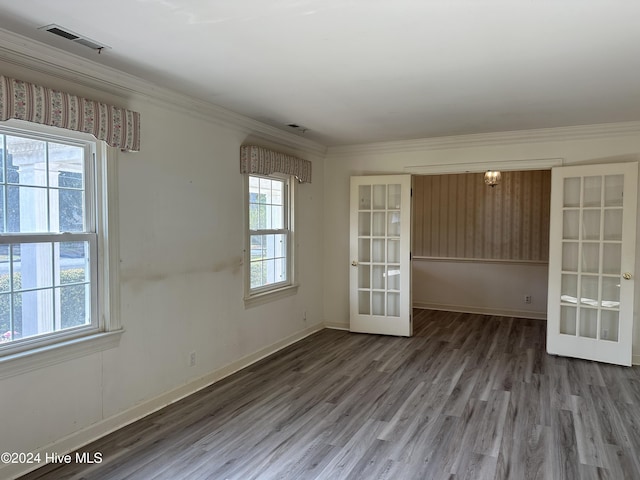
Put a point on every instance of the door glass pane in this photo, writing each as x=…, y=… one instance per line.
x=590, y=257
x=393, y=277
x=378, y=277
x=613, y=224
x=379, y=197
x=379, y=223
x=611, y=258
x=364, y=197
x=364, y=224
x=588, y=322
x=364, y=274
x=609, y=325
x=611, y=292
x=571, y=222
x=570, y=257
x=364, y=250
x=591, y=225
x=569, y=288
x=393, y=251
x=589, y=291
x=363, y=303
x=394, y=196
x=592, y=192
x=613, y=185
x=377, y=303
x=393, y=304
x=571, y=192
x=378, y=251
x=568, y=320
x=394, y=224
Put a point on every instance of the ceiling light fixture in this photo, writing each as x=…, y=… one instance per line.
x=492, y=177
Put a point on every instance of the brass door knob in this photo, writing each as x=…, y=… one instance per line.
x=627, y=276
x=354, y=264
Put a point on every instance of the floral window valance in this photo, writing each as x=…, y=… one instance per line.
x=118, y=127
x=263, y=161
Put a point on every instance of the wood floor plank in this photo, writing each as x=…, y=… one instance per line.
x=467, y=397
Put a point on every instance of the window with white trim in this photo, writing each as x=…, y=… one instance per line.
x=270, y=234
x=54, y=284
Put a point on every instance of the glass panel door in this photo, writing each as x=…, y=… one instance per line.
x=380, y=212
x=590, y=279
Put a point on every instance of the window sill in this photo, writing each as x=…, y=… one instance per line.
x=270, y=296
x=37, y=358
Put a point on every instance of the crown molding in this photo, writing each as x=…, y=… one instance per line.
x=556, y=134
x=24, y=52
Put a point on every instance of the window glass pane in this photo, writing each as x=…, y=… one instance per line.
x=74, y=306
x=5, y=283
x=277, y=217
x=12, y=210
x=280, y=246
x=2, y=216
x=6, y=330
x=69, y=205
x=67, y=163
x=71, y=262
x=32, y=265
x=2, y=158
x=254, y=216
x=257, y=277
x=30, y=157
x=33, y=313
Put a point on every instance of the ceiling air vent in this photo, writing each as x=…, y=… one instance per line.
x=74, y=37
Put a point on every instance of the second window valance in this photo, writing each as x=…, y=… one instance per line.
x=254, y=159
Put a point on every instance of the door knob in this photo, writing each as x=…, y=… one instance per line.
x=354, y=264
x=627, y=276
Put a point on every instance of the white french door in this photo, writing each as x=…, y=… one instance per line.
x=380, y=242
x=591, y=262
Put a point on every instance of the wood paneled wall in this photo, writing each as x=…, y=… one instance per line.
x=458, y=216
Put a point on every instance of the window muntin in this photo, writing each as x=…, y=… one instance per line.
x=269, y=220
x=48, y=240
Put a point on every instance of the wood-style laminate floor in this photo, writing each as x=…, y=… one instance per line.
x=467, y=397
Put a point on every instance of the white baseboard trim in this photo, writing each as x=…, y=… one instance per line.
x=104, y=427
x=482, y=310
x=336, y=326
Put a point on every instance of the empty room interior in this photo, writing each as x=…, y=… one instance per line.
x=319, y=240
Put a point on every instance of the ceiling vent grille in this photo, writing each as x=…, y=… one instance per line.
x=74, y=37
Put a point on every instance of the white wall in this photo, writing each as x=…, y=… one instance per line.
x=476, y=286
x=575, y=145
x=181, y=201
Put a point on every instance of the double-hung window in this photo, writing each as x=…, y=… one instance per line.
x=270, y=234
x=50, y=240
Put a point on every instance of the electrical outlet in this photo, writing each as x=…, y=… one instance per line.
x=192, y=359
x=527, y=299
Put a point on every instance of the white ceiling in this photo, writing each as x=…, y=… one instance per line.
x=359, y=71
